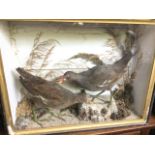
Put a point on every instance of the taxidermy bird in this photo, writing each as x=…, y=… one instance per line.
x=49, y=92
x=102, y=77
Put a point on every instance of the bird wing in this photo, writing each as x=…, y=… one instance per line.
x=95, y=70
x=88, y=72
x=50, y=91
x=42, y=89
x=28, y=85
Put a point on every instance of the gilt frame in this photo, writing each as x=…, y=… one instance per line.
x=69, y=128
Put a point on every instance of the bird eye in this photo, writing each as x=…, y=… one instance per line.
x=67, y=75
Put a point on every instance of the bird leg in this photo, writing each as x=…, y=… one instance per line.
x=96, y=96
x=106, y=87
x=54, y=115
x=110, y=97
x=92, y=96
x=34, y=118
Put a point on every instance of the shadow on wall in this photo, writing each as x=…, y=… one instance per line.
x=152, y=132
x=3, y=130
x=153, y=107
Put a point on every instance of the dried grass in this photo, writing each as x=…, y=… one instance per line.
x=41, y=51
x=24, y=108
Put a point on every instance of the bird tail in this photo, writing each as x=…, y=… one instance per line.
x=24, y=82
x=24, y=73
x=129, y=49
x=131, y=42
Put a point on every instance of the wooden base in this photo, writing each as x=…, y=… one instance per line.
x=131, y=130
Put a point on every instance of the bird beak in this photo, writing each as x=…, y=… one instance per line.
x=60, y=80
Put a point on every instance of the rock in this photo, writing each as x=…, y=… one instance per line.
x=90, y=112
x=123, y=111
x=103, y=111
x=83, y=115
x=22, y=122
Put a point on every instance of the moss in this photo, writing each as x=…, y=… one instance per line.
x=125, y=95
x=124, y=99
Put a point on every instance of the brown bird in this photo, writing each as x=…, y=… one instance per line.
x=49, y=92
x=101, y=77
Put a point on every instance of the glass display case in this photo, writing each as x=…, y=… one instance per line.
x=72, y=75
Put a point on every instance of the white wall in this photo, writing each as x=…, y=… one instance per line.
x=141, y=83
x=8, y=60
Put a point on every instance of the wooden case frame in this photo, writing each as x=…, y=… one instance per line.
x=70, y=128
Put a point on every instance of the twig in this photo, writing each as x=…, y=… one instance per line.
x=46, y=57
x=29, y=62
x=34, y=118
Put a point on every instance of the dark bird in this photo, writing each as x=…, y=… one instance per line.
x=101, y=77
x=49, y=93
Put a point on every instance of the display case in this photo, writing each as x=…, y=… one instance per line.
x=73, y=75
